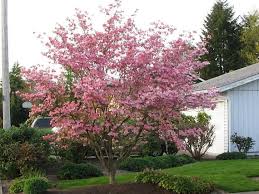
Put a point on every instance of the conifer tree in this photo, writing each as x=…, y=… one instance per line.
x=221, y=35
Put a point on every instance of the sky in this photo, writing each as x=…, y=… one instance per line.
x=29, y=16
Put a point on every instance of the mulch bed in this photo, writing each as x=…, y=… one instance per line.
x=132, y=188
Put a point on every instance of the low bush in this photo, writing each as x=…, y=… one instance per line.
x=162, y=162
x=185, y=159
x=136, y=164
x=73, y=150
x=22, y=148
x=150, y=176
x=177, y=184
x=243, y=144
x=35, y=185
x=231, y=156
x=78, y=171
x=159, y=162
x=155, y=146
x=17, y=185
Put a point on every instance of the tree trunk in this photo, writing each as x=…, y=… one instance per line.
x=166, y=147
x=111, y=174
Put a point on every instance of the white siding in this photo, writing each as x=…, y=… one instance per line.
x=244, y=112
x=219, y=118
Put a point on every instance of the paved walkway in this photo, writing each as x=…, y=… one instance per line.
x=252, y=192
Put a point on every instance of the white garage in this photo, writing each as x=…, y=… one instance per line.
x=219, y=118
x=237, y=109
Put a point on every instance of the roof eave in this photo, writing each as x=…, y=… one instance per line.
x=238, y=83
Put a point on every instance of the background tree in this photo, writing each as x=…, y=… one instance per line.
x=126, y=82
x=197, y=144
x=221, y=35
x=18, y=114
x=250, y=38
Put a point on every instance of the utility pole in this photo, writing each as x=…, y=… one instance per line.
x=5, y=67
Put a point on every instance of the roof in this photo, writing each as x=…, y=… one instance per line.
x=231, y=80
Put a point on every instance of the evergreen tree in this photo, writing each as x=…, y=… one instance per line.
x=222, y=38
x=250, y=38
x=18, y=113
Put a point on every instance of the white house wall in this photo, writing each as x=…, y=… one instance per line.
x=219, y=118
x=244, y=112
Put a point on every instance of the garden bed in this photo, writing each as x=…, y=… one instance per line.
x=130, y=188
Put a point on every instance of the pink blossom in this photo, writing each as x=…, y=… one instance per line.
x=124, y=81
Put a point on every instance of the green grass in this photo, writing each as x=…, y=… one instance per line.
x=67, y=184
x=228, y=175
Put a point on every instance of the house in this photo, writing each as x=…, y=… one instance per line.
x=237, y=108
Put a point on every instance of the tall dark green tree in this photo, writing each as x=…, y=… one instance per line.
x=18, y=113
x=250, y=38
x=221, y=35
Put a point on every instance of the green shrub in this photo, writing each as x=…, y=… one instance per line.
x=182, y=184
x=231, y=156
x=9, y=170
x=150, y=176
x=22, y=149
x=176, y=184
x=243, y=144
x=136, y=164
x=185, y=159
x=73, y=150
x=33, y=173
x=78, y=171
x=155, y=146
x=159, y=162
x=162, y=162
x=17, y=185
x=36, y=185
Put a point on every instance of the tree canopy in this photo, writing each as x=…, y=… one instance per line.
x=250, y=38
x=18, y=114
x=221, y=35
x=118, y=83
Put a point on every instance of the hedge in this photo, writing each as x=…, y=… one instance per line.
x=159, y=162
x=176, y=184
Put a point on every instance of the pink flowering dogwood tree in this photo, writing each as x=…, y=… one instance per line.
x=116, y=83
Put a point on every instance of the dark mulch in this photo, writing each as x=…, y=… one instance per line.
x=132, y=188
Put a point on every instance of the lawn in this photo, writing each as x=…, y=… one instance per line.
x=228, y=175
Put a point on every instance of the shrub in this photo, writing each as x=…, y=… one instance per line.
x=155, y=146
x=177, y=184
x=16, y=186
x=185, y=159
x=22, y=149
x=198, y=143
x=162, y=162
x=231, y=156
x=78, y=171
x=73, y=150
x=9, y=170
x=36, y=185
x=243, y=144
x=136, y=164
x=150, y=176
x=159, y=162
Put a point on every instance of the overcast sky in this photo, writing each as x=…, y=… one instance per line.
x=28, y=16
